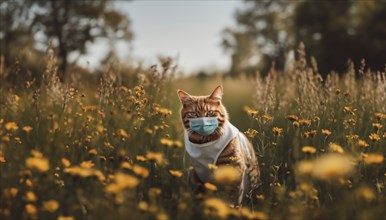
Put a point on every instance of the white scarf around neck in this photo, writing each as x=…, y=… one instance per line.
x=208, y=153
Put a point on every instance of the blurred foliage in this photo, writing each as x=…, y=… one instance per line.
x=334, y=32
x=28, y=27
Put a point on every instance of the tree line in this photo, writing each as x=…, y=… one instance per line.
x=265, y=34
x=333, y=32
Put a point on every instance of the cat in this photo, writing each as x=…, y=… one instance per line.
x=211, y=139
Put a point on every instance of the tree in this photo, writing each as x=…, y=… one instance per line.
x=74, y=23
x=263, y=33
x=332, y=32
x=353, y=30
x=66, y=25
x=14, y=29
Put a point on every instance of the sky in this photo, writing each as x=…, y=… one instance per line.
x=187, y=31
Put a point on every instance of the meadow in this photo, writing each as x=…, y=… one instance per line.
x=114, y=149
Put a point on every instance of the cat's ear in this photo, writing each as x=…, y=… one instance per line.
x=184, y=96
x=217, y=93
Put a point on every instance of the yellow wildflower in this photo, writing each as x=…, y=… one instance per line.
x=27, y=129
x=305, y=167
x=216, y=207
x=251, y=112
x=17, y=140
x=100, y=128
x=141, y=171
x=332, y=167
x=374, y=137
x=176, y=173
x=167, y=142
x=11, y=126
x=292, y=118
x=309, y=190
x=85, y=172
x=108, y=145
x=39, y=164
x=154, y=191
x=308, y=149
x=51, y=205
x=260, y=197
x=251, y=132
x=11, y=192
x=161, y=111
x=65, y=162
x=380, y=116
x=277, y=131
x=210, y=186
x=305, y=122
x=352, y=136
x=365, y=193
x=2, y=158
x=170, y=143
x=140, y=158
x=362, y=144
x=30, y=197
x=372, y=158
x=31, y=209
x=326, y=132
x=377, y=126
x=87, y=164
x=93, y=152
x=122, y=181
x=226, y=174
x=6, y=138
x=327, y=167
x=311, y=133
x=28, y=182
x=126, y=165
x=157, y=158
x=178, y=144
x=143, y=206
x=122, y=133
x=333, y=147
x=36, y=154
x=267, y=117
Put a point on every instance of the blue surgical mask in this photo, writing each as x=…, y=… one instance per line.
x=204, y=126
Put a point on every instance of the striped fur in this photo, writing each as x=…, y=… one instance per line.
x=233, y=154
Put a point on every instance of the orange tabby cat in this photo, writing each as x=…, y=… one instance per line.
x=211, y=139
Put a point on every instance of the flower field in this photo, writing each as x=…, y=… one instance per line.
x=115, y=150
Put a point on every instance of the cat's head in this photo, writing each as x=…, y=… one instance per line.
x=198, y=107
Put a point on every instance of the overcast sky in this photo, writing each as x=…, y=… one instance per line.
x=189, y=31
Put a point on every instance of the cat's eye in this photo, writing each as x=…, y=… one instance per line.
x=210, y=113
x=192, y=114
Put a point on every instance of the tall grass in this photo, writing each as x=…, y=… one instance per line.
x=115, y=150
